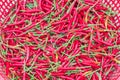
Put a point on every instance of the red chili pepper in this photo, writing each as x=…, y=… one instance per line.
x=100, y=49
x=57, y=74
x=55, y=37
x=67, y=78
x=7, y=68
x=95, y=77
x=57, y=23
x=82, y=77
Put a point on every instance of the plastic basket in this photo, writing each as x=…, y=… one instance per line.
x=6, y=5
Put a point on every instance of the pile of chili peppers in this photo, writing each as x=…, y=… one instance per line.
x=60, y=40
